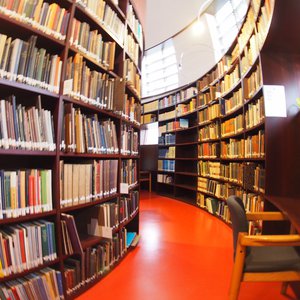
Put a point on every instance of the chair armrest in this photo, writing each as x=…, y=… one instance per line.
x=267, y=216
x=269, y=240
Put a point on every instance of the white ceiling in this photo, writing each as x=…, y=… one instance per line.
x=164, y=18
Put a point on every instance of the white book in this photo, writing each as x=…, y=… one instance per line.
x=16, y=46
x=3, y=38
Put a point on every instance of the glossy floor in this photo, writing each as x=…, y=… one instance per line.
x=184, y=253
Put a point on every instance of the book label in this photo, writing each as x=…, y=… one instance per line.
x=275, y=102
x=124, y=188
x=68, y=86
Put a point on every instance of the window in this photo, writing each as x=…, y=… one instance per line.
x=227, y=22
x=160, y=70
x=149, y=134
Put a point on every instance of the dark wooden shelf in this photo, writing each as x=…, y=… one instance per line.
x=233, y=135
x=21, y=152
x=88, y=155
x=233, y=112
x=186, y=144
x=26, y=272
x=91, y=107
x=5, y=83
x=28, y=217
x=209, y=141
x=89, y=204
x=92, y=61
x=187, y=173
x=12, y=24
x=186, y=187
x=186, y=158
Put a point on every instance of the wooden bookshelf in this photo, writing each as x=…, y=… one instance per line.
x=26, y=149
x=231, y=95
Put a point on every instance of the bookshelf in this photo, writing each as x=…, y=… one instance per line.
x=233, y=145
x=69, y=145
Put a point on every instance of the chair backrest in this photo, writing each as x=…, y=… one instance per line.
x=238, y=217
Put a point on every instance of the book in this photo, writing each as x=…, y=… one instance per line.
x=72, y=232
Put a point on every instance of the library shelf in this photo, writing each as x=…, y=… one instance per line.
x=31, y=270
x=61, y=48
x=274, y=61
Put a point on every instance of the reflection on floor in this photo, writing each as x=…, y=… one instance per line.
x=184, y=254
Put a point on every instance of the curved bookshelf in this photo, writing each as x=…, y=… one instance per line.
x=72, y=183
x=264, y=53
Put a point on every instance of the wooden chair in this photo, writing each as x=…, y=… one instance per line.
x=146, y=176
x=261, y=257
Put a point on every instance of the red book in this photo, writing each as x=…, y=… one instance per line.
x=22, y=245
x=31, y=193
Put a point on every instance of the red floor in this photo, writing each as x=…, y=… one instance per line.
x=184, y=253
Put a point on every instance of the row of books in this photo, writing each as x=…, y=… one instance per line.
x=106, y=17
x=166, y=165
x=209, y=168
x=218, y=189
x=29, y=128
x=132, y=110
x=45, y=284
x=49, y=18
x=208, y=96
x=150, y=106
x=214, y=206
x=129, y=173
x=70, y=237
x=209, y=132
x=207, y=79
x=233, y=103
x=132, y=76
x=246, y=29
x=209, y=113
x=230, y=80
x=250, y=54
x=22, y=61
x=149, y=118
x=170, y=126
x=88, y=134
x=165, y=178
x=135, y=24
x=249, y=175
x=183, y=95
x=132, y=48
x=263, y=22
x=182, y=109
x=224, y=65
x=166, y=139
x=82, y=183
x=251, y=147
x=167, y=101
x=252, y=83
x=26, y=246
x=90, y=42
x=88, y=85
x=209, y=150
x=129, y=205
x=255, y=113
x=254, y=177
x=232, y=126
x=129, y=140
x=167, y=115
x=25, y=192
x=166, y=152
x=94, y=262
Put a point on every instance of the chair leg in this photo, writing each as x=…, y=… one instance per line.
x=284, y=287
x=237, y=273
